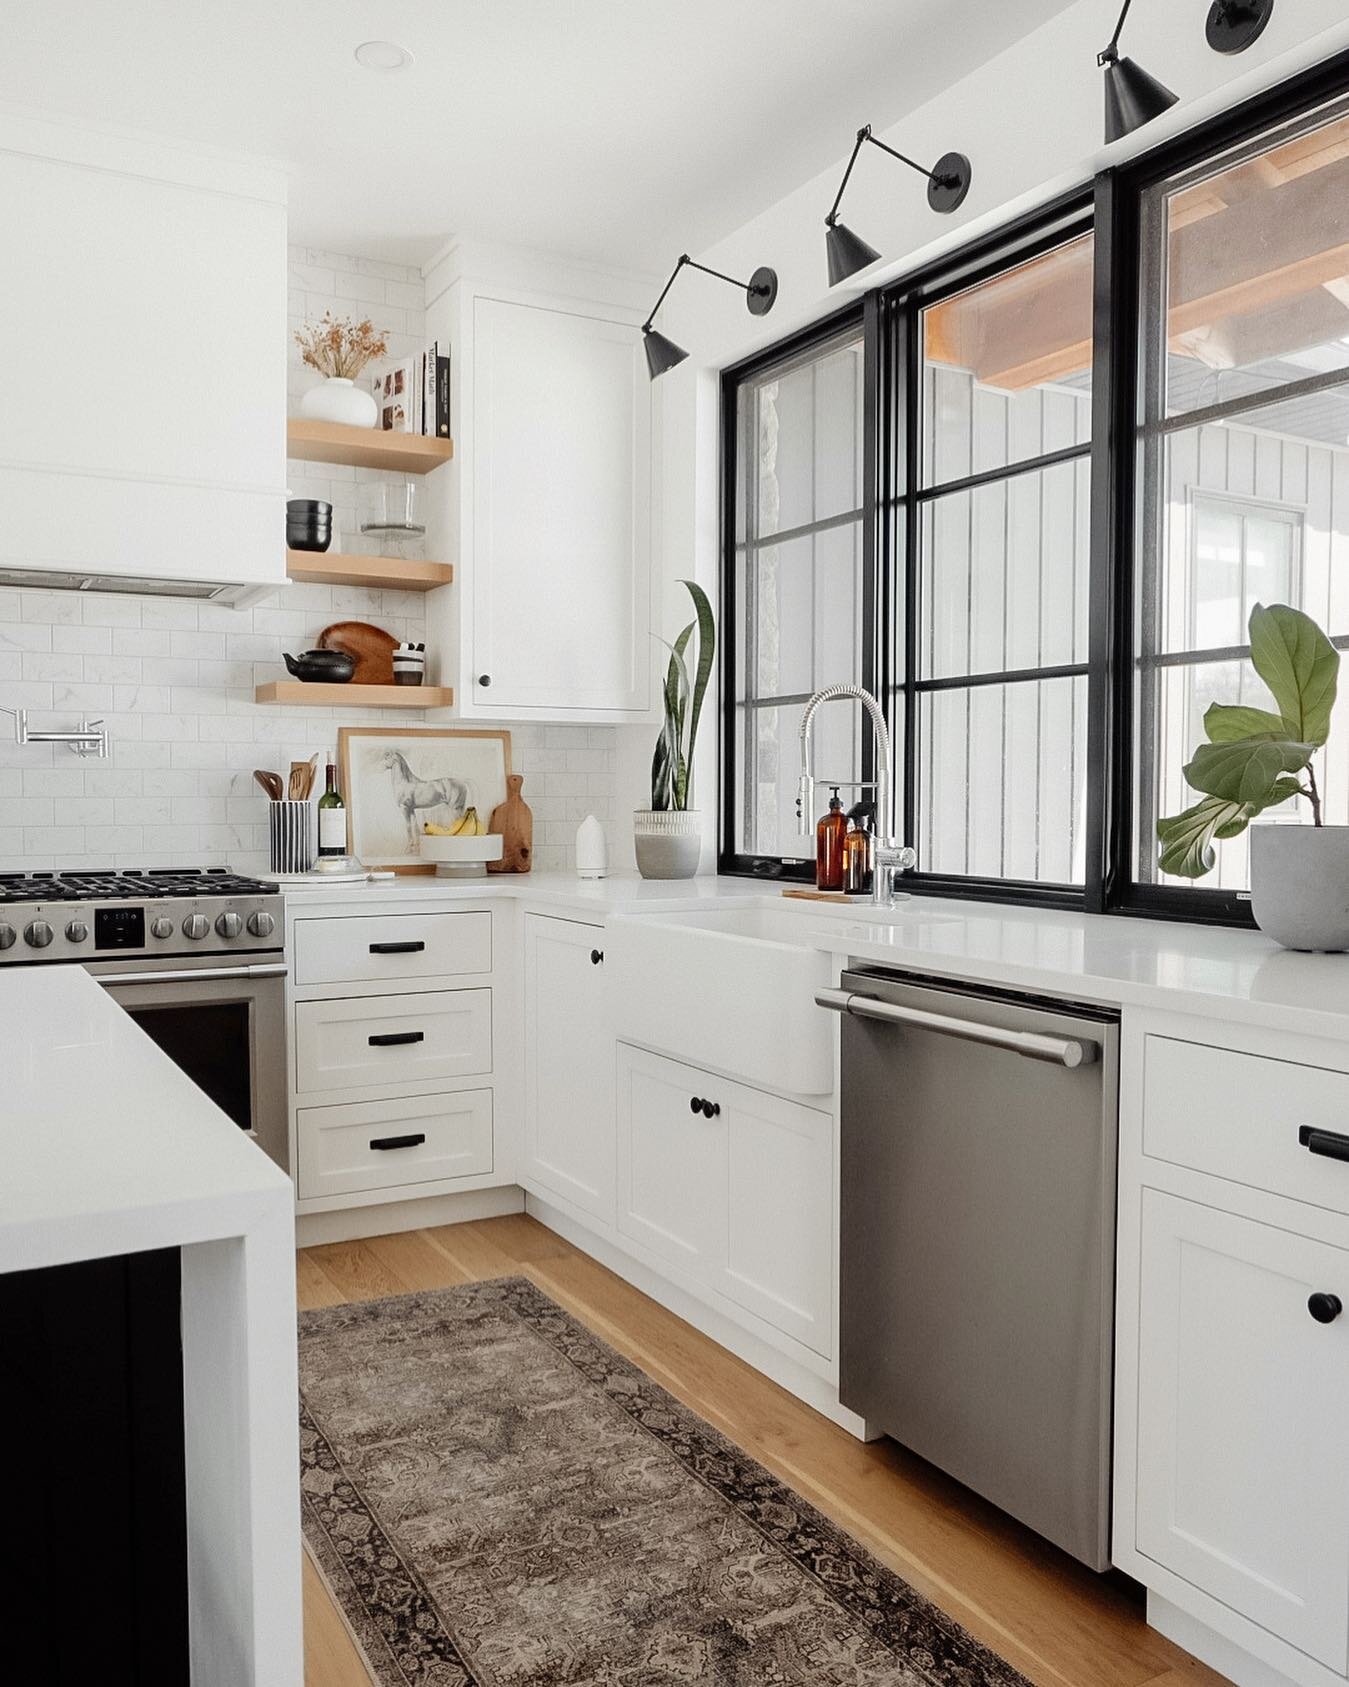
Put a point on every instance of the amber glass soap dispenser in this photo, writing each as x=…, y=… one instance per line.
x=829, y=836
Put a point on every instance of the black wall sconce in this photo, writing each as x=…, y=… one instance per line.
x=947, y=184
x=761, y=291
x=1234, y=25
x=1132, y=97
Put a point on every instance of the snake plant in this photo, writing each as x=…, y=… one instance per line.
x=1256, y=759
x=682, y=704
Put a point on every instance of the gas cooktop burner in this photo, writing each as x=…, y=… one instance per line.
x=128, y=884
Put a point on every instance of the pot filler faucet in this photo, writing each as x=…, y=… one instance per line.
x=889, y=855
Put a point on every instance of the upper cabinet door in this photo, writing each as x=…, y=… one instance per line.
x=1243, y=1466
x=148, y=287
x=561, y=492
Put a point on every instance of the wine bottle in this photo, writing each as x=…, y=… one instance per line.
x=332, y=817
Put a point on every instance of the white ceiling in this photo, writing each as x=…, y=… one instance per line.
x=622, y=131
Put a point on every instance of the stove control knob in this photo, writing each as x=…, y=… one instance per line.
x=261, y=925
x=77, y=931
x=161, y=926
x=229, y=925
x=8, y=937
x=196, y=926
x=37, y=934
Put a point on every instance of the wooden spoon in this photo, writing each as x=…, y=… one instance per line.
x=270, y=782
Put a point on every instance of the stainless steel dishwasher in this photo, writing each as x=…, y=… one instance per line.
x=978, y=1236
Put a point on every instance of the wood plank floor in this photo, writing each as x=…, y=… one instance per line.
x=1058, y=1623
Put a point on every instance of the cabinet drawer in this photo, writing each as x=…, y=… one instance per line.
x=1242, y=1116
x=377, y=948
x=355, y=1043
x=382, y=1144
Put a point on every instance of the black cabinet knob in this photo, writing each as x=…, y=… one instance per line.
x=696, y=1104
x=1325, y=1308
x=711, y=1109
x=484, y=679
x=596, y=956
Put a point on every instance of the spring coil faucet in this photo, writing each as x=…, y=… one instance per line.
x=890, y=855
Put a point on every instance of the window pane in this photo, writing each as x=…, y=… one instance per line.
x=1257, y=280
x=799, y=599
x=806, y=598
x=766, y=798
x=1007, y=367
x=1004, y=574
x=801, y=444
x=1002, y=772
x=1252, y=510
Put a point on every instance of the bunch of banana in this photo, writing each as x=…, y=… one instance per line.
x=467, y=826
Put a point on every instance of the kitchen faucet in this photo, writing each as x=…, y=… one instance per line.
x=887, y=851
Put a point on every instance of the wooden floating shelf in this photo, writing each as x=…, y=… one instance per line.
x=318, y=696
x=393, y=573
x=365, y=448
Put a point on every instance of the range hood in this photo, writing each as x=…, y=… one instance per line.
x=231, y=593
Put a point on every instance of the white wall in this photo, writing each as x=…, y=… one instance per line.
x=174, y=679
x=1031, y=122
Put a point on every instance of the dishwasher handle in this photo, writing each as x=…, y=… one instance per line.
x=1071, y=1052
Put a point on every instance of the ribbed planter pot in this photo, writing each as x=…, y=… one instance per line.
x=1300, y=885
x=669, y=842
x=337, y=399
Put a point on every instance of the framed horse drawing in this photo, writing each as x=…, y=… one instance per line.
x=399, y=780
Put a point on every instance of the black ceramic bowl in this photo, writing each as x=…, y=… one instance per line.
x=309, y=524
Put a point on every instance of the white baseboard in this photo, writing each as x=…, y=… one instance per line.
x=348, y=1224
x=1212, y=1648
x=815, y=1390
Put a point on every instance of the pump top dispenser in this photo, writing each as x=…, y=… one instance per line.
x=829, y=841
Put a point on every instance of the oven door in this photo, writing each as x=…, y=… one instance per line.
x=223, y=1021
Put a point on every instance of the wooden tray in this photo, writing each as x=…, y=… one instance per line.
x=371, y=647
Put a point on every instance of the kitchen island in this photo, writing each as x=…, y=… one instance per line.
x=107, y=1150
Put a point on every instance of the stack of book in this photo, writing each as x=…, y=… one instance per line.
x=414, y=396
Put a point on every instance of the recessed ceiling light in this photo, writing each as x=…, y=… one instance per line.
x=382, y=55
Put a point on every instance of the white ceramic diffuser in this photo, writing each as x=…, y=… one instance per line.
x=592, y=857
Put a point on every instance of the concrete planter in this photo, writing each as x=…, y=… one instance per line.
x=1300, y=885
x=668, y=842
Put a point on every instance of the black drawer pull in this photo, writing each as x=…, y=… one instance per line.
x=1329, y=1144
x=381, y=1143
x=397, y=948
x=388, y=1039
x=596, y=956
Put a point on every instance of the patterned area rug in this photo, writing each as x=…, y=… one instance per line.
x=497, y=1498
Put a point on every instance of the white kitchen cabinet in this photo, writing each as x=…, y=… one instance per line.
x=545, y=509
x=1243, y=1472
x=134, y=452
x=569, y=1064
x=393, y=1144
x=737, y=1190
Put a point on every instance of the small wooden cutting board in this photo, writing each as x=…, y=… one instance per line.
x=514, y=823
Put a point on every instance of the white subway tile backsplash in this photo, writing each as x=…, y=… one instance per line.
x=174, y=679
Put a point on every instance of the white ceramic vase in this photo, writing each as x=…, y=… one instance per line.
x=1300, y=885
x=338, y=399
x=669, y=842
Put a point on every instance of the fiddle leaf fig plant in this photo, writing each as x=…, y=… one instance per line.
x=682, y=698
x=1254, y=758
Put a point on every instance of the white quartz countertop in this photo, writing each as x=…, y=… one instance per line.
x=105, y=1146
x=1240, y=976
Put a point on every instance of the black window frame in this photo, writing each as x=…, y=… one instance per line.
x=1110, y=206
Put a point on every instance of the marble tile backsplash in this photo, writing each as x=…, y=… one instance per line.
x=174, y=680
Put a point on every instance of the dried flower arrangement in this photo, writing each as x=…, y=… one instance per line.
x=340, y=348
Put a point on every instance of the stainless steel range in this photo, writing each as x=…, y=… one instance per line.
x=195, y=956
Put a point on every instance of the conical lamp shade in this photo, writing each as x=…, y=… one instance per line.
x=1132, y=98
x=847, y=253
x=661, y=354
